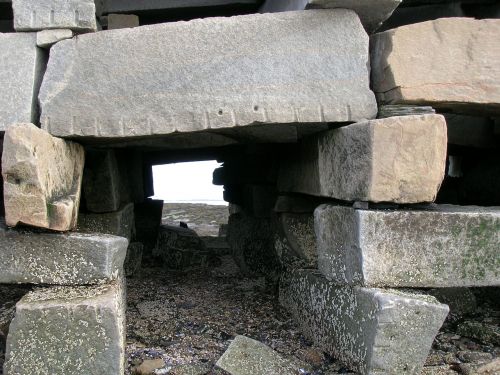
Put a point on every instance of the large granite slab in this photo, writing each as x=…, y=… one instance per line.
x=42, y=178
x=459, y=70
x=371, y=331
x=34, y=15
x=21, y=71
x=371, y=12
x=213, y=73
x=118, y=223
x=68, y=330
x=442, y=246
x=36, y=257
x=397, y=159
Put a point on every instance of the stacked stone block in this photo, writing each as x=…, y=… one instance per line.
x=339, y=202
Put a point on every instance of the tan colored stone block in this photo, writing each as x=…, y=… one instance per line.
x=42, y=178
x=449, y=63
x=396, y=159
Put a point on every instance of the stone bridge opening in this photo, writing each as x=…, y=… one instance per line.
x=358, y=143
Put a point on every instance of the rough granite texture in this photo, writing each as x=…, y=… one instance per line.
x=34, y=15
x=444, y=246
x=118, y=223
x=42, y=178
x=246, y=356
x=130, y=6
x=21, y=65
x=458, y=72
x=101, y=181
x=396, y=159
x=372, y=331
x=47, y=38
x=212, y=73
x=371, y=12
x=87, y=324
x=53, y=258
x=295, y=241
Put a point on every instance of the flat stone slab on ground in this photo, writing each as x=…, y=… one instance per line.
x=459, y=71
x=372, y=13
x=118, y=223
x=372, y=331
x=34, y=15
x=21, y=65
x=36, y=257
x=292, y=67
x=248, y=356
x=68, y=330
x=42, y=178
x=397, y=159
x=441, y=246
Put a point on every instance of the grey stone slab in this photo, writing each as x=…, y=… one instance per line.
x=371, y=12
x=248, y=356
x=122, y=21
x=21, y=71
x=458, y=73
x=191, y=76
x=133, y=260
x=68, y=330
x=443, y=246
x=42, y=178
x=53, y=258
x=34, y=15
x=128, y=6
x=396, y=159
x=372, y=331
x=295, y=241
x=101, y=181
x=118, y=223
x=47, y=38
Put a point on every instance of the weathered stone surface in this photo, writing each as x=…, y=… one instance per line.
x=247, y=356
x=372, y=13
x=251, y=242
x=101, y=181
x=180, y=248
x=122, y=21
x=9, y=295
x=47, y=38
x=458, y=72
x=68, y=330
x=185, y=89
x=33, y=15
x=68, y=259
x=373, y=331
x=118, y=223
x=127, y=6
x=397, y=159
x=42, y=178
x=295, y=241
x=21, y=65
x=133, y=260
x=441, y=246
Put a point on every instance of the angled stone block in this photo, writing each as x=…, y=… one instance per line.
x=372, y=331
x=21, y=71
x=101, y=181
x=118, y=223
x=396, y=159
x=53, y=258
x=274, y=68
x=459, y=71
x=34, y=15
x=442, y=246
x=372, y=13
x=42, y=178
x=295, y=241
x=47, y=38
x=68, y=330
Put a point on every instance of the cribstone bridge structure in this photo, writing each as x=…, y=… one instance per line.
x=359, y=143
